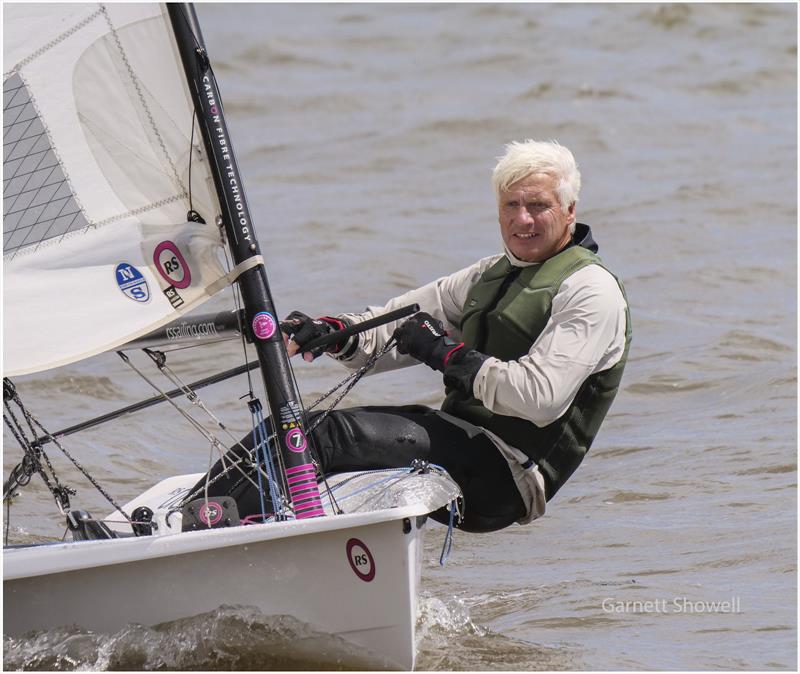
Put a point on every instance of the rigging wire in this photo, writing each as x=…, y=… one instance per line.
x=195, y=400
x=348, y=382
x=33, y=450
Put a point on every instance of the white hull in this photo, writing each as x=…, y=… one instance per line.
x=317, y=570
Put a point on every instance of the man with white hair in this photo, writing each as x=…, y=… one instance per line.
x=532, y=344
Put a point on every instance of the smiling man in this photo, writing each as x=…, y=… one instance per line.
x=532, y=344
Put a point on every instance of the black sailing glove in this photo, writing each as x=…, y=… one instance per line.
x=462, y=368
x=424, y=337
x=301, y=329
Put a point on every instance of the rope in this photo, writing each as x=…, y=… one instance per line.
x=33, y=450
x=22, y=472
x=7, y=522
x=447, y=546
x=215, y=442
x=407, y=471
x=264, y=455
x=195, y=400
x=351, y=380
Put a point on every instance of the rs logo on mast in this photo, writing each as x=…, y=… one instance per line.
x=171, y=264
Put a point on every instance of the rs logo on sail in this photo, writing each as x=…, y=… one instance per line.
x=131, y=282
x=171, y=264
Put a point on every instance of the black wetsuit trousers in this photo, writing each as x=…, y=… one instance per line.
x=364, y=438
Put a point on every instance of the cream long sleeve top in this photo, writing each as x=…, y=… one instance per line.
x=585, y=334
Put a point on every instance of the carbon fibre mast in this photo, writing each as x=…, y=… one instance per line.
x=260, y=315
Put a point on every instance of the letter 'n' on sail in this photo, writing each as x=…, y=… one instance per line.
x=97, y=145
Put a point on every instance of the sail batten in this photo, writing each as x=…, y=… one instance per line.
x=98, y=246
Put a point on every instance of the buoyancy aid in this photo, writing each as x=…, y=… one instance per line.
x=504, y=313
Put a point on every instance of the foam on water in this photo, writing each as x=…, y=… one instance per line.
x=230, y=638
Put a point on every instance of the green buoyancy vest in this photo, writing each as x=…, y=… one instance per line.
x=505, y=312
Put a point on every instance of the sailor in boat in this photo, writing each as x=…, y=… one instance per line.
x=531, y=344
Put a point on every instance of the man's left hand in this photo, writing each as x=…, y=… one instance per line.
x=424, y=337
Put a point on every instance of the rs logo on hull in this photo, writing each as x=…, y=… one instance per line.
x=361, y=560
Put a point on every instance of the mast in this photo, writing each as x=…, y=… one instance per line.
x=282, y=394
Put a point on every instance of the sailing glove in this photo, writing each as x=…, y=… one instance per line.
x=424, y=337
x=301, y=329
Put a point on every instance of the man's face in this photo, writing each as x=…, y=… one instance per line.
x=533, y=226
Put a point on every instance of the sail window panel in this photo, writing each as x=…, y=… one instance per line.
x=56, y=220
x=44, y=193
x=11, y=226
x=15, y=98
x=28, y=165
x=54, y=208
x=35, y=168
x=38, y=203
x=22, y=201
x=19, y=116
x=25, y=183
x=9, y=171
x=17, y=132
x=26, y=144
x=10, y=88
x=66, y=222
x=19, y=227
x=39, y=181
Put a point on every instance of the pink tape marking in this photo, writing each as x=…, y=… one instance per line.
x=302, y=492
x=311, y=513
x=302, y=478
x=298, y=469
x=307, y=497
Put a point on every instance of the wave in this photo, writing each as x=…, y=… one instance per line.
x=230, y=638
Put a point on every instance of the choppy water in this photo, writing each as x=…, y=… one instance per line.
x=366, y=134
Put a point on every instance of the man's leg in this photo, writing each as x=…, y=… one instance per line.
x=365, y=438
x=362, y=438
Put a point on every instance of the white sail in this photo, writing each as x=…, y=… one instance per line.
x=97, y=142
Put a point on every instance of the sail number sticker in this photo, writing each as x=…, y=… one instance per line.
x=361, y=560
x=296, y=440
x=171, y=264
x=131, y=282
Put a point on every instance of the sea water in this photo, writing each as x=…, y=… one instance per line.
x=366, y=135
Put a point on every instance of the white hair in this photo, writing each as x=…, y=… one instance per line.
x=525, y=158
